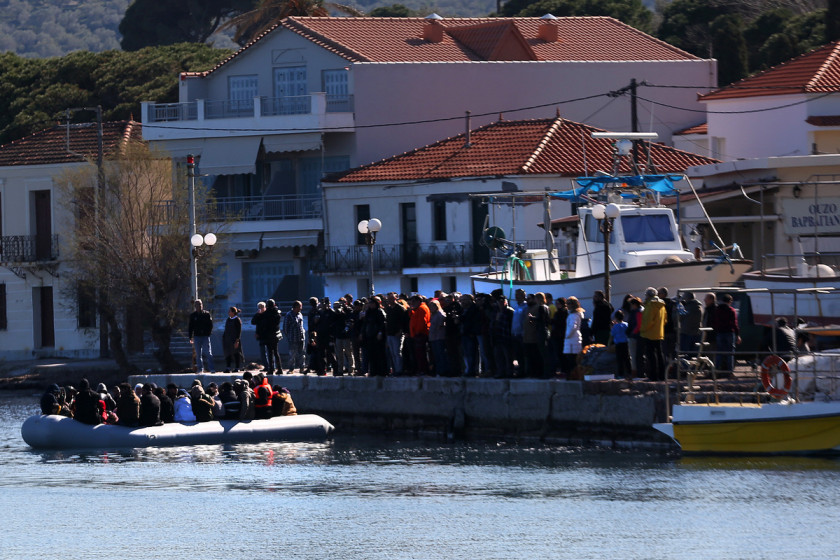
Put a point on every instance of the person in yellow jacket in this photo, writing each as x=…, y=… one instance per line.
x=652, y=333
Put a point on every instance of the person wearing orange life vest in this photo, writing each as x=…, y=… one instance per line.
x=263, y=394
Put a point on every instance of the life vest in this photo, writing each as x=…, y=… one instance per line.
x=263, y=393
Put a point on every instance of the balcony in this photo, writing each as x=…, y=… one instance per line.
x=279, y=207
x=252, y=208
x=28, y=248
x=393, y=258
x=313, y=112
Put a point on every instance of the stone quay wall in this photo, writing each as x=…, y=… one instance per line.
x=604, y=412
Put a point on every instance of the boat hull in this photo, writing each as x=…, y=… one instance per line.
x=817, y=308
x=771, y=428
x=59, y=432
x=626, y=281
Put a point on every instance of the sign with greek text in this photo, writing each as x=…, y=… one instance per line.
x=807, y=217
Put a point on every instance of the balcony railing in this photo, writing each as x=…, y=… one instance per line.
x=278, y=207
x=248, y=108
x=296, y=105
x=168, y=112
x=252, y=208
x=28, y=248
x=393, y=258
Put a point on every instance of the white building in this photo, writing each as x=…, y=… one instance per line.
x=319, y=95
x=778, y=133
x=37, y=317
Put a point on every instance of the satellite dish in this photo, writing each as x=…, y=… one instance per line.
x=493, y=237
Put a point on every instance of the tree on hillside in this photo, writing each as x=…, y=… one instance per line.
x=152, y=22
x=249, y=25
x=394, y=10
x=129, y=248
x=832, y=21
x=730, y=48
x=631, y=12
x=35, y=92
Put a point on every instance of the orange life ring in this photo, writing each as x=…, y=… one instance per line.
x=771, y=365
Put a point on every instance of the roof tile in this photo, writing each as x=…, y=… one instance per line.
x=366, y=39
x=51, y=146
x=526, y=147
x=817, y=71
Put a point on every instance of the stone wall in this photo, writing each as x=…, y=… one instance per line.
x=457, y=407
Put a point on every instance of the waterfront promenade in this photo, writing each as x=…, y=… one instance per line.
x=612, y=412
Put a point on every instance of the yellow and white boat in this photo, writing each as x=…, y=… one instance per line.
x=771, y=427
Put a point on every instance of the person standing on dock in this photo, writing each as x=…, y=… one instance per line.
x=200, y=327
x=652, y=333
x=601, y=317
x=295, y=336
x=727, y=334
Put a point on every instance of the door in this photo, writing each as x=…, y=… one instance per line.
x=43, y=320
x=43, y=225
x=408, y=221
x=481, y=254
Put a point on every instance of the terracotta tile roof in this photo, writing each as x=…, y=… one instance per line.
x=367, y=39
x=526, y=147
x=827, y=120
x=817, y=71
x=50, y=145
x=697, y=129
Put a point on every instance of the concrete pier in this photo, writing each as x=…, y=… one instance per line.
x=570, y=411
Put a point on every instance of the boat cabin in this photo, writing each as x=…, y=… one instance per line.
x=640, y=237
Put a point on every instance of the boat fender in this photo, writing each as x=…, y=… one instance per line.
x=771, y=365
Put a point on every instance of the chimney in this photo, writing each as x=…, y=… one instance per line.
x=432, y=29
x=548, y=29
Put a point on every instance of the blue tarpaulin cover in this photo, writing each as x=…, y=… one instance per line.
x=663, y=184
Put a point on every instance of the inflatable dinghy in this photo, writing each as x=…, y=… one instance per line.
x=60, y=432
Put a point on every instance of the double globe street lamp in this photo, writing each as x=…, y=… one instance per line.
x=369, y=228
x=605, y=215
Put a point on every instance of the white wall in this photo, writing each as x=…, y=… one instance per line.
x=18, y=340
x=389, y=93
x=781, y=131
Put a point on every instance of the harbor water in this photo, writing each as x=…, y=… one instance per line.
x=388, y=497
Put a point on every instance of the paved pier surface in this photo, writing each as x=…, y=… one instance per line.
x=576, y=411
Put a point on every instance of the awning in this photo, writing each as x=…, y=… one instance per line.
x=229, y=156
x=292, y=142
x=277, y=239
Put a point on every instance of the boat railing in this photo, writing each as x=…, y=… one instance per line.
x=696, y=380
x=701, y=374
x=530, y=267
x=801, y=264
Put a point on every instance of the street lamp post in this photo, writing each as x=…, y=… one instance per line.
x=605, y=215
x=196, y=239
x=370, y=228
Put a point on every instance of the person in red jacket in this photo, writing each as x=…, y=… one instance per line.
x=418, y=329
x=264, y=394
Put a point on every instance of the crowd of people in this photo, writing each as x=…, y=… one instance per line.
x=453, y=334
x=248, y=398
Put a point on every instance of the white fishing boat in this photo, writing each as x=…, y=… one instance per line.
x=622, y=224
x=812, y=289
x=59, y=432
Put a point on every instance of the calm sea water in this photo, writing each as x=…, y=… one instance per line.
x=378, y=497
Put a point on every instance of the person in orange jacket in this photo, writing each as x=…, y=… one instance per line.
x=418, y=329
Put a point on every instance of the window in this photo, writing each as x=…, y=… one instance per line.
x=3, y=322
x=263, y=280
x=86, y=312
x=362, y=212
x=646, y=228
x=241, y=92
x=290, y=81
x=439, y=220
x=334, y=82
x=302, y=175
